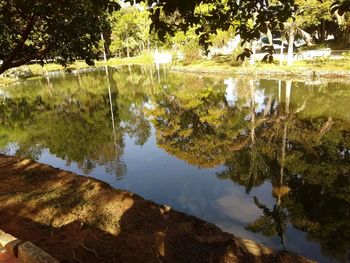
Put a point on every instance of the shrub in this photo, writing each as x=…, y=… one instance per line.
x=192, y=52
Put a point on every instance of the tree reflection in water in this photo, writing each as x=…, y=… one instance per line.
x=72, y=118
x=295, y=136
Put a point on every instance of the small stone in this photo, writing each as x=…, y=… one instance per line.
x=12, y=247
x=167, y=208
x=29, y=253
x=5, y=238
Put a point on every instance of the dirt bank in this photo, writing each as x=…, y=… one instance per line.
x=79, y=219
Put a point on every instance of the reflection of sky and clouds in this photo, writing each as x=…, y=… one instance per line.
x=157, y=156
x=231, y=94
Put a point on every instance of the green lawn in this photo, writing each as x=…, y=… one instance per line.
x=224, y=64
x=229, y=63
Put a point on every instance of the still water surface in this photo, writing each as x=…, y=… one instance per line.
x=267, y=160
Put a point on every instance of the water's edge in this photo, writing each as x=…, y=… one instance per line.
x=138, y=220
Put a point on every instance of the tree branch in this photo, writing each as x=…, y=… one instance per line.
x=26, y=59
x=24, y=37
x=19, y=11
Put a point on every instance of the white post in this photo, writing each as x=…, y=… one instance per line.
x=290, y=47
x=252, y=57
x=281, y=55
x=109, y=86
x=288, y=93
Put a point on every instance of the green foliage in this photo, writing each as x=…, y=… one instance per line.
x=71, y=117
x=221, y=37
x=192, y=52
x=312, y=13
x=213, y=15
x=246, y=54
x=60, y=30
x=187, y=43
x=129, y=31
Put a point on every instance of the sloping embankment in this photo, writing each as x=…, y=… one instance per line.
x=79, y=219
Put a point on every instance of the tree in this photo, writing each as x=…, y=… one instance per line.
x=66, y=30
x=314, y=16
x=129, y=30
x=72, y=118
x=341, y=9
x=61, y=30
x=293, y=30
x=212, y=15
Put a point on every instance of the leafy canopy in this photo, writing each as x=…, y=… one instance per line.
x=65, y=30
x=212, y=15
x=55, y=29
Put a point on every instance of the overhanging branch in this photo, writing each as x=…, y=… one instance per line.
x=22, y=61
x=24, y=36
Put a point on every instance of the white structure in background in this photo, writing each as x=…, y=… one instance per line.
x=317, y=53
x=162, y=57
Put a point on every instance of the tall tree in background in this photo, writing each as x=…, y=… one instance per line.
x=341, y=9
x=129, y=30
x=313, y=16
x=292, y=30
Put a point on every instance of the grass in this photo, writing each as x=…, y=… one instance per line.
x=140, y=60
x=38, y=70
x=229, y=63
x=225, y=64
x=326, y=64
x=5, y=80
x=144, y=59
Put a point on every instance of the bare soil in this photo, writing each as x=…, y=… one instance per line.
x=80, y=219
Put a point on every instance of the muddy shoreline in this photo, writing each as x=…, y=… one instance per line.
x=80, y=219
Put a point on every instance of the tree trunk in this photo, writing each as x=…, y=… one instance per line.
x=290, y=47
x=252, y=57
x=281, y=55
x=323, y=31
x=347, y=35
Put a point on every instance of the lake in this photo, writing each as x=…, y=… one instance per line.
x=267, y=160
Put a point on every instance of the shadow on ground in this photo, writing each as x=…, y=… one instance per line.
x=80, y=219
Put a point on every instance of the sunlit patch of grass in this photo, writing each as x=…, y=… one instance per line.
x=5, y=80
x=223, y=63
x=326, y=64
x=229, y=63
x=144, y=59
